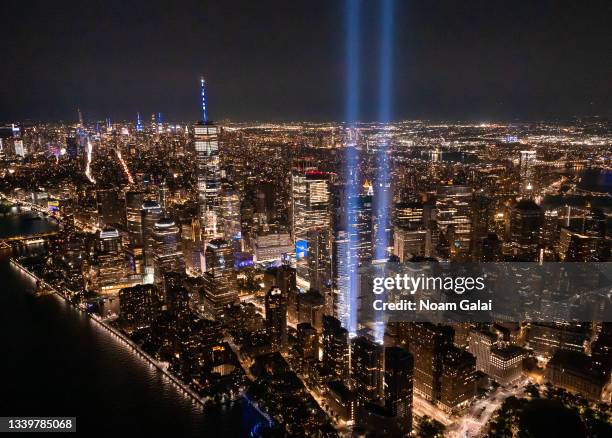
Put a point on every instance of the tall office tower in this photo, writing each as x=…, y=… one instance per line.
x=139, y=127
x=335, y=347
x=399, y=367
x=72, y=145
x=229, y=217
x=341, y=277
x=206, y=145
x=139, y=306
x=596, y=227
x=367, y=371
x=454, y=219
x=576, y=247
x=190, y=237
x=360, y=231
x=286, y=281
x=311, y=308
x=408, y=244
x=482, y=218
x=276, y=317
x=133, y=206
x=162, y=194
x=549, y=237
x=310, y=211
x=110, y=261
x=150, y=213
x=457, y=380
x=524, y=230
x=319, y=259
x=220, y=288
x=427, y=343
x=110, y=211
x=409, y=215
x=307, y=342
x=480, y=345
x=167, y=253
x=527, y=170
x=20, y=149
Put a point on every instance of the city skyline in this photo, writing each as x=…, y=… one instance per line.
x=327, y=219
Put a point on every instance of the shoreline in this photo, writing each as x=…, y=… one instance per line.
x=186, y=391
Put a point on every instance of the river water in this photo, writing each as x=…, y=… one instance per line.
x=55, y=362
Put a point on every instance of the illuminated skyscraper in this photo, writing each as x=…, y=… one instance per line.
x=318, y=259
x=481, y=343
x=20, y=149
x=335, y=347
x=307, y=342
x=139, y=306
x=206, y=145
x=409, y=215
x=276, y=317
x=408, y=244
x=527, y=169
x=110, y=261
x=110, y=211
x=220, y=289
x=167, y=254
x=229, y=218
x=341, y=277
x=310, y=211
x=72, y=145
x=360, y=213
x=139, y=127
x=454, y=218
x=428, y=344
x=524, y=230
x=457, y=380
x=133, y=207
x=367, y=363
x=150, y=212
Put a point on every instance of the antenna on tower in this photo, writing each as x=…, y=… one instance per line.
x=138, y=122
x=203, y=92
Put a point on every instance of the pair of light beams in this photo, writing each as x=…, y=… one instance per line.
x=352, y=109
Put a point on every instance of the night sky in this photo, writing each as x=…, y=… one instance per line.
x=478, y=60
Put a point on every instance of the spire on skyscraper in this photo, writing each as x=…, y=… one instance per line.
x=138, y=123
x=203, y=93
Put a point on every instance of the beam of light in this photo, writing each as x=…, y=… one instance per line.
x=350, y=285
x=381, y=191
x=124, y=165
x=88, y=166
